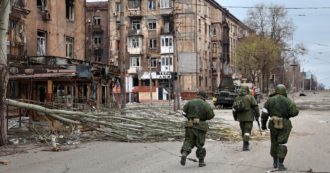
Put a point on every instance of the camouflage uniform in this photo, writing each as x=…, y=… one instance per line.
x=280, y=109
x=246, y=116
x=197, y=112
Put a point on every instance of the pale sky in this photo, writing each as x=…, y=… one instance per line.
x=312, y=29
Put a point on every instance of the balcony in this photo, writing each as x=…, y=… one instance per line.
x=135, y=32
x=134, y=70
x=95, y=28
x=164, y=31
x=134, y=13
x=166, y=11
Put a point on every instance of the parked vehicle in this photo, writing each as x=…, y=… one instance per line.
x=225, y=95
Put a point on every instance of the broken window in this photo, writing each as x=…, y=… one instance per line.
x=152, y=24
x=69, y=47
x=41, y=4
x=41, y=43
x=69, y=9
x=97, y=20
x=133, y=4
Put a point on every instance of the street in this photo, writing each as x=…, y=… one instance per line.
x=308, y=148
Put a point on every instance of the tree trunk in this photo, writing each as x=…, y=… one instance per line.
x=3, y=91
x=4, y=20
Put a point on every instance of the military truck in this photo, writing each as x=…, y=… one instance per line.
x=226, y=93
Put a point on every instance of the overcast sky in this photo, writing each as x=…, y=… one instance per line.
x=312, y=29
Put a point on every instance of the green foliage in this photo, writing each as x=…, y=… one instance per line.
x=256, y=55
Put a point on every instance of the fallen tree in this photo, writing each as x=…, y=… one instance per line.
x=136, y=123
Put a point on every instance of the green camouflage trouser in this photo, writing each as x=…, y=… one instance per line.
x=279, y=139
x=194, y=137
x=246, y=128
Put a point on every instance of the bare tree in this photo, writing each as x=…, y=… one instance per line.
x=4, y=20
x=272, y=21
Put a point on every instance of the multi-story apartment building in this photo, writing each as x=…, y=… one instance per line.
x=97, y=30
x=49, y=64
x=193, y=38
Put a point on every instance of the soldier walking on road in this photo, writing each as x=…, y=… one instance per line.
x=197, y=111
x=280, y=109
x=245, y=110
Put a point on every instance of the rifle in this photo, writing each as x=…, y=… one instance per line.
x=257, y=119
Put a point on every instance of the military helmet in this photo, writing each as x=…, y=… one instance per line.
x=201, y=94
x=245, y=88
x=280, y=89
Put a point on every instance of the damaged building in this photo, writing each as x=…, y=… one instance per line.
x=47, y=59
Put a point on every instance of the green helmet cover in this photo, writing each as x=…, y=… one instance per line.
x=280, y=89
x=201, y=94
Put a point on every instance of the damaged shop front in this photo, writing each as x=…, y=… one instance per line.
x=60, y=83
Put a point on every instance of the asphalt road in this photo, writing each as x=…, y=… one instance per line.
x=309, y=148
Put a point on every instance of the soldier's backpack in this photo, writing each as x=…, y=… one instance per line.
x=239, y=105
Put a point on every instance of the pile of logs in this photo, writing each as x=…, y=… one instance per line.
x=136, y=123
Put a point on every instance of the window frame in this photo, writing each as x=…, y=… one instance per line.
x=152, y=24
x=137, y=24
x=151, y=5
x=164, y=4
x=153, y=62
x=41, y=43
x=134, y=42
x=69, y=7
x=69, y=45
x=135, y=61
x=97, y=20
x=152, y=43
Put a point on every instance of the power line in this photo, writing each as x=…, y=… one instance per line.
x=287, y=8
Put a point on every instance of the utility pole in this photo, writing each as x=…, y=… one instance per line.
x=196, y=31
x=122, y=58
x=176, y=83
x=5, y=6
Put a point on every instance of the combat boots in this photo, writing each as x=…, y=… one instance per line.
x=281, y=166
x=275, y=162
x=246, y=146
x=183, y=158
x=201, y=163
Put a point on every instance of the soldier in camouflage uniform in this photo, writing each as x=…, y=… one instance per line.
x=197, y=111
x=245, y=110
x=280, y=109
